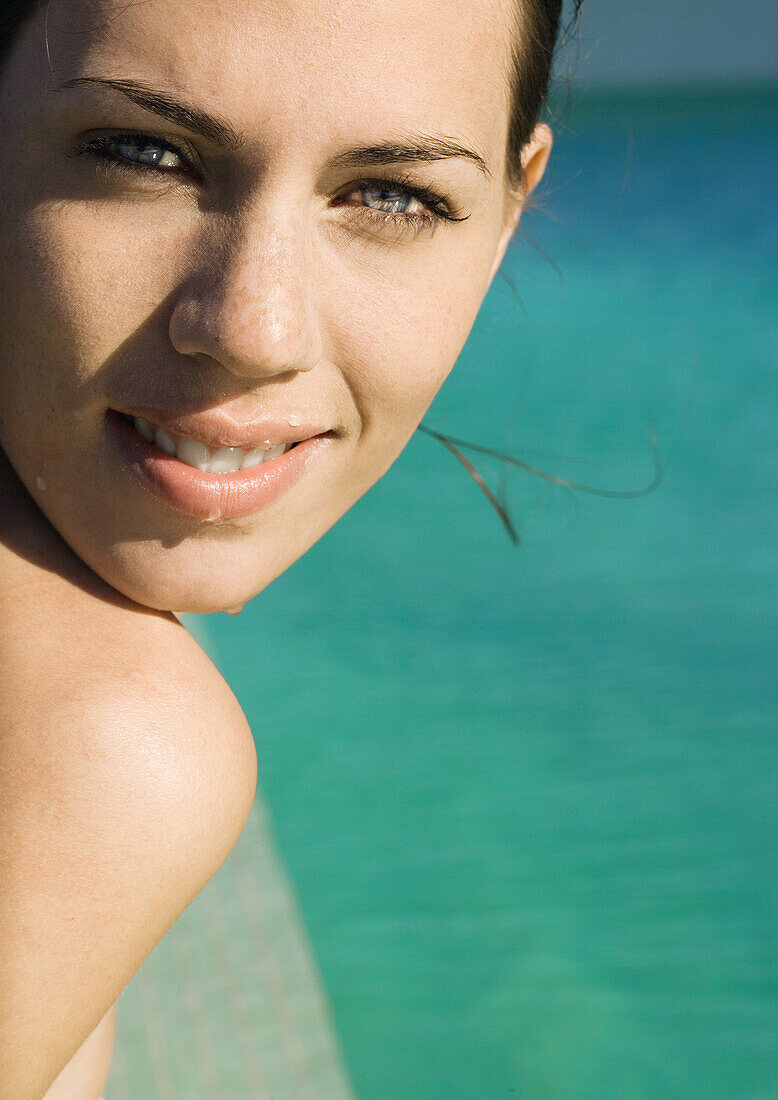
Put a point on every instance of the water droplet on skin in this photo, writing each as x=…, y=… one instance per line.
x=41, y=484
x=293, y=421
x=235, y=610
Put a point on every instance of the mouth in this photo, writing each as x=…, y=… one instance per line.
x=219, y=459
x=211, y=478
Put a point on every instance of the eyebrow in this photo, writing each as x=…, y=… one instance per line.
x=208, y=126
x=221, y=133
x=424, y=149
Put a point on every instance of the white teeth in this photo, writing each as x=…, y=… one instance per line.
x=194, y=454
x=226, y=460
x=164, y=440
x=253, y=458
x=144, y=429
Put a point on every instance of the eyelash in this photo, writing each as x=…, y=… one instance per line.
x=102, y=150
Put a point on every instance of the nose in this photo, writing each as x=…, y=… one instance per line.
x=249, y=302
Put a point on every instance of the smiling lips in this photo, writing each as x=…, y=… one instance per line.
x=211, y=468
x=221, y=460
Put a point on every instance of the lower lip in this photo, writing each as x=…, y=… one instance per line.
x=211, y=496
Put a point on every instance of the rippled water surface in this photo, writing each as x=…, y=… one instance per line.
x=528, y=795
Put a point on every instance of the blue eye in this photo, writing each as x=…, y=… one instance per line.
x=399, y=201
x=392, y=200
x=140, y=151
x=149, y=154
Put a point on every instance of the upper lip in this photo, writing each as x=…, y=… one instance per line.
x=216, y=428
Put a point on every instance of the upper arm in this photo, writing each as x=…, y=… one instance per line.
x=122, y=794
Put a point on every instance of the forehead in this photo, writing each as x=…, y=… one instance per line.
x=317, y=66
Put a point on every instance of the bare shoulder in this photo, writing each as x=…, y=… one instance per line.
x=128, y=772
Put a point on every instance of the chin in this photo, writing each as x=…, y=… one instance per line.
x=184, y=595
x=183, y=578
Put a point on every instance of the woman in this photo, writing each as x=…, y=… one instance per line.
x=243, y=246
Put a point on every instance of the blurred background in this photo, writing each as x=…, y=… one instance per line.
x=648, y=43
x=525, y=797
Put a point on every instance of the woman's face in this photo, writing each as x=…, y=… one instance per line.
x=230, y=226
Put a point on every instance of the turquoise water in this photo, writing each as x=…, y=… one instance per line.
x=528, y=795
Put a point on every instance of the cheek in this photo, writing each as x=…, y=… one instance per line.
x=404, y=330
x=74, y=288
x=94, y=280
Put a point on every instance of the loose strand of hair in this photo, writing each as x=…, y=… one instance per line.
x=455, y=446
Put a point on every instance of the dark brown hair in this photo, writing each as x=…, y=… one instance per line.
x=537, y=25
x=537, y=31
